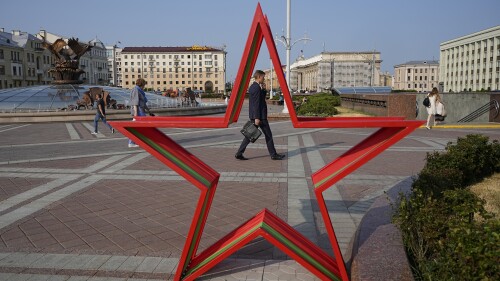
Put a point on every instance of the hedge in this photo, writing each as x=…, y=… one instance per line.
x=446, y=231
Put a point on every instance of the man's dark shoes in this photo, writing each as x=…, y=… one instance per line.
x=278, y=156
x=240, y=157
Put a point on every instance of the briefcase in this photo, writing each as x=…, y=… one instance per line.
x=250, y=131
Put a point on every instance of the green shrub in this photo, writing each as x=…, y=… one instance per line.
x=471, y=159
x=433, y=183
x=444, y=239
x=446, y=231
x=322, y=104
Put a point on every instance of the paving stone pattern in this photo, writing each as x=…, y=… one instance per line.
x=75, y=206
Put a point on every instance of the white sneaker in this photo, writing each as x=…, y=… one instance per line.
x=132, y=145
x=94, y=133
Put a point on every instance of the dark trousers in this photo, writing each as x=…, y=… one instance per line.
x=96, y=120
x=264, y=126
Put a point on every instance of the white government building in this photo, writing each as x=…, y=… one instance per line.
x=471, y=62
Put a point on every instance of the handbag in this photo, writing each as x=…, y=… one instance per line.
x=250, y=131
x=427, y=102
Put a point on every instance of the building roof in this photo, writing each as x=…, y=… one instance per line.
x=6, y=40
x=189, y=49
x=18, y=38
x=419, y=62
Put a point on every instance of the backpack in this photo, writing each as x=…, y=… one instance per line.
x=427, y=102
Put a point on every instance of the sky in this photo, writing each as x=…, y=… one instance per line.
x=401, y=30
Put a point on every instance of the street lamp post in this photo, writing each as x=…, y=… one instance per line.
x=224, y=69
x=286, y=42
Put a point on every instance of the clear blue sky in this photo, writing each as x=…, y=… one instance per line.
x=401, y=30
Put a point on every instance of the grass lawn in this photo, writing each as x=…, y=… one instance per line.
x=489, y=190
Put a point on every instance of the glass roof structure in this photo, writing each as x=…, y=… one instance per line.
x=61, y=97
x=363, y=90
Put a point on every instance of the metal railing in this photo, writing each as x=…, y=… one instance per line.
x=492, y=105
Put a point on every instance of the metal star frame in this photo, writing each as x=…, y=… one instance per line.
x=144, y=131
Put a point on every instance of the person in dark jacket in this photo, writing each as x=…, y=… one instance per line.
x=100, y=114
x=258, y=115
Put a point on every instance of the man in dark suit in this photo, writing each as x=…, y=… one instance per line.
x=258, y=114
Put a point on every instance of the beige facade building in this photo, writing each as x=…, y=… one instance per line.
x=386, y=79
x=23, y=61
x=271, y=80
x=421, y=76
x=171, y=68
x=336, y=69
x=471, y=62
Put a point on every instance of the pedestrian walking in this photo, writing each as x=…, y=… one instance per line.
x=434, y=99
x=100, y=115
x=258, y=115
x=137, y=103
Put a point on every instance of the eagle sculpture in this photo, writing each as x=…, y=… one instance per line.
x=56, y=48
x=78, y=48
x=71, y=51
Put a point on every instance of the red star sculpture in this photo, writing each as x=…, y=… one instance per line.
x=192, y=264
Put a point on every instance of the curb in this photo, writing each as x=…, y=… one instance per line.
x=469, y=126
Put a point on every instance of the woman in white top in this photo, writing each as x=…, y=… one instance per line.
x=432, y=110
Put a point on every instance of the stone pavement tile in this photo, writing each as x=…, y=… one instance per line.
x=131, y=264
x=62, y=164
x=12, y=186
x=167, y=265
x=149, y=264
x=78, y=278
x=113, y=263
x=395, y=163
x=58, y=132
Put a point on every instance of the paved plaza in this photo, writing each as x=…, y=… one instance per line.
x=76, y=206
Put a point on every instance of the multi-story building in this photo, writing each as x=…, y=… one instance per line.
x=94, y=63
x=271, y=80
x=420, y=76
x=336, y=69
x=23, y=61
x=386, y=79
x=114, y=65
x=170, y=68
x=471, y=62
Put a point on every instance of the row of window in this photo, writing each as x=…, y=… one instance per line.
x=420, y=86
x=170, y=63
x=164, y=70
x=422, y=78
x=472, y=72
x=477, y=48
x=176, y=57
x=208, y=75
x=422, y=70
x=183, y=83
x=472, y=81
